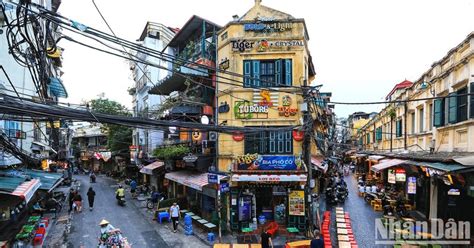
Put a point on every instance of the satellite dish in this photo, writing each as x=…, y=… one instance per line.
x=204, y=119
x=172, y=129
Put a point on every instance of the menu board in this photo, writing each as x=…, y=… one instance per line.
x=411, y=185
x=391, y=176
x=400, y=175
x=296, y=203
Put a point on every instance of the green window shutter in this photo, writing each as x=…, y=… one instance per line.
x=247, y=73
x=472, y=100
x=256, y=73
x=368, y=138
x=399, y=128
x=452, y=108
x=438, y=112
x=288, y=72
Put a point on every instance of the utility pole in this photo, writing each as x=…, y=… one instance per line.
x=308, y=133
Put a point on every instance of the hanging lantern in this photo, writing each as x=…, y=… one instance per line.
x=238, y=136
x=298, y=135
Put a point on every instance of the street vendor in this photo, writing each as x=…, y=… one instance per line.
x=106, y=227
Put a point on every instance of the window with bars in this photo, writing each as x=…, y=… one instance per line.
x=462, y=105
x=378, y=134
x=269, y=142
x=268, y=73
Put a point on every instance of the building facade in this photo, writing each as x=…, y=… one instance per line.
x=267, y=175
x=155, y=36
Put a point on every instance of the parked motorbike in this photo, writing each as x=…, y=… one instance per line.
x=341, y=193
x=402, y=212
x=337, y=194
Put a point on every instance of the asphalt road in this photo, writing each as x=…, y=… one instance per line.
x=85, y=229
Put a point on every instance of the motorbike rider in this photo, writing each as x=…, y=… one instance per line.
x=106, y=227
x=92, y=177
x=120, y=193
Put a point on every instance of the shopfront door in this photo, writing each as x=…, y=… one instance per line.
x=423, y=195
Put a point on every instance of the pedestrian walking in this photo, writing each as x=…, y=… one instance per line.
x=90, y=198
x=133, y=188
x=175, y=214
x=72, y=194
x=78, y=202
x=317, y=241
x=266, y=239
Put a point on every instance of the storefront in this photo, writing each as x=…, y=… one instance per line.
x=277, y=197
x=153, y=174
x=194, y=192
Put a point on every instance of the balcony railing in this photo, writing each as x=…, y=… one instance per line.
x=194, y=52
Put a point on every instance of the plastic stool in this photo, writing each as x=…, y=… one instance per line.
x=210, y=237
x=163, y=215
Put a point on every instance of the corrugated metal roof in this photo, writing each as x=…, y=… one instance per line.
x=48, y=180
x=9, y=184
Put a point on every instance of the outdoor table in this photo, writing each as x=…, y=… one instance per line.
x=341, y=225
x=190, y=213
x=184, y=211
x=292, y=231
x=221, y=246
x=341, y=231
x=202, y=221
x=344, y=244
x=247, y=231
x=240, y=245
x=340, y=220
x=342, y=238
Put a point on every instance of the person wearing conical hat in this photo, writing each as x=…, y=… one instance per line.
x=105, y=227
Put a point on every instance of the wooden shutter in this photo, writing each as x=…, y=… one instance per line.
x=247, y=73
x=438, y=116
x=272, y=142
x=256, y=73
x=472, y=100
x=452, y=108
x=281, y=142
x=288, y=142
x=288, y=74
x=278, y=72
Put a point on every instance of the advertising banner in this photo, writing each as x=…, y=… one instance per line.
x=296, y=203
x=268, y=162
x=411, y=185
x=391, y=176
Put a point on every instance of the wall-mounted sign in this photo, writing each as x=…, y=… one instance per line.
x=190, y=158
x=224, y=187
x=196, y=136
x=238, y=136
x=298, y=135
x=224, y=107
x=391, y=176
x=265, y=45
x=454, y=192
x=411, y=185
x=245, y=110
x=268, y=162
x=296, y=203
x=224, y=64
x=286, y=109
x=266, y=98
x=212, y=178
x=265, y=19
x=400, y=175
x=242, y=45
x=269, y=27
x=268, y=178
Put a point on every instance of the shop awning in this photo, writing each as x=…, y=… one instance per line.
x=9, y=184
x=48, y=180
x=268, y=178
x=149, y=168
x=387, y=163
x=442, y=166
x=375, y=157
x=465, y=160
x=190, y=179
x=27, y=189
x=361, y=155
x=318, y=163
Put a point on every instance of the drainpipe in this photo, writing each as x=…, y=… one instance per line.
x=405, y=124
x=391, y=132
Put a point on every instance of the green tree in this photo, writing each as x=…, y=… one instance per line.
x=119, y=138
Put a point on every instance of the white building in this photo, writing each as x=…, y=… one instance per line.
x=31, y=137
x=155, y=36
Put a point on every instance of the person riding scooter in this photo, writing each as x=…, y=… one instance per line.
x=120, y=195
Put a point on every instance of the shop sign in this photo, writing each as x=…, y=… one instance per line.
x=212, y=178
x=242, y=45
x=267, y=162
x=224, y=187
x=296, y=203
x=268, y=178
x=245, y=110
x=411, y=187
x=400, y=175
x=454, y=192
x=224, y=64
x=265, y=45
x=286, y=109
x=268, y=27
x=391, y=176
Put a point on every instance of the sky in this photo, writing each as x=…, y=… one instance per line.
x=360, y=49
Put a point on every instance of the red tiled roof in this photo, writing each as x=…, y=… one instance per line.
x=402, y=85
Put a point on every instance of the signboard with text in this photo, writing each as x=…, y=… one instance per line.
x=268, y=162
x=411, y=185
x=296, y=203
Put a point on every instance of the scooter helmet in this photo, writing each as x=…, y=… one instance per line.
x=120, y=185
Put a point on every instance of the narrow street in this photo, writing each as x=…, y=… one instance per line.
x=85, y=229
x=362, y=215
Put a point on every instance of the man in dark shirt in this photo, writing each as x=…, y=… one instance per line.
x=266, y=239
x=317, y=241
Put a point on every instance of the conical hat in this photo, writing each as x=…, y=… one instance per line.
x=103, y=222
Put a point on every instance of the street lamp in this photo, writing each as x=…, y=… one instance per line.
x=425, y=85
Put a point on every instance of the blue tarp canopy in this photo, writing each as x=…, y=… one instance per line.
x=56, y=87
x=49, y=181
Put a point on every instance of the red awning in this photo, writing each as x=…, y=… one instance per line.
x=149, y=168
x=387, y=163
x=318, y=162
x=27, y=189
x=190, y=179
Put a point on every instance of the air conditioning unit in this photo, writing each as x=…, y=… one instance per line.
x=212, y=136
